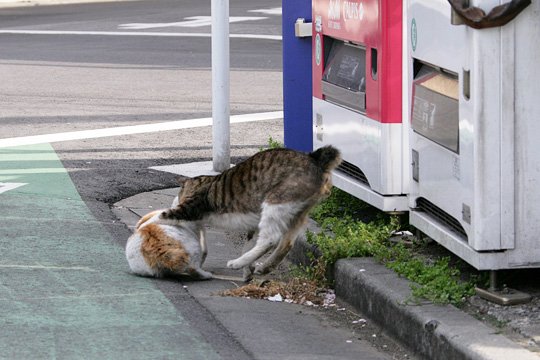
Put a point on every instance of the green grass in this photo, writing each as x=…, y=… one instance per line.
x=272, y=144
x=352, y=228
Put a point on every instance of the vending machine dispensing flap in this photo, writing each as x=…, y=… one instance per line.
x=498, y=16
x=435, y=107
x=344, y=76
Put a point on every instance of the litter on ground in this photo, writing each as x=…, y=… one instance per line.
x=297, y=291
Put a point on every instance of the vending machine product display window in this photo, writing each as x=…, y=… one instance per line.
x=344, y=76
x=435, y=106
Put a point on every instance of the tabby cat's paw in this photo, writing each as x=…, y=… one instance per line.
x=260, y=269
x=247, y=276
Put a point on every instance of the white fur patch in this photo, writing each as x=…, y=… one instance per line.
x=135, y=259
x=276, y=218
x=234, y=221
x=275, y=222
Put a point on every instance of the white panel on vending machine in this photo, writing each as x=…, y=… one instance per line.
x=472, y=102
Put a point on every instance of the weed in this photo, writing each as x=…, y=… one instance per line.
x=272, y=144
x=352, y=228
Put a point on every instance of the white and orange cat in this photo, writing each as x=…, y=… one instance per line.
x=166, y=250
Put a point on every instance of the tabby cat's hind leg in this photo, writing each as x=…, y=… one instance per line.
x=248, y=245
x=283, y=247
x=274, y=224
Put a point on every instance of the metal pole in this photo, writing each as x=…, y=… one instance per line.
x=493, y=281
x=220, y=86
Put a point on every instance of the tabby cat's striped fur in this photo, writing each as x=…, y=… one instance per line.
x=271, y=193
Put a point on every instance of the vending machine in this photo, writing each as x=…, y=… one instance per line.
x=473, y=97
x=357, y=95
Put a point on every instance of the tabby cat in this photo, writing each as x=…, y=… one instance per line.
x=270, y=193
x=164, y=250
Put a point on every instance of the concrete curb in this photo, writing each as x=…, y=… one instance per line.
x=431, y=331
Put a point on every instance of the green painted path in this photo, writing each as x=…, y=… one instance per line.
x=65, y=290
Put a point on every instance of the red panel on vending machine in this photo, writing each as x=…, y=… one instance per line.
x=375, y=28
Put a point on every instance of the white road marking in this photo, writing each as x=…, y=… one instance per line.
x=32, y=171
x=44, y=267
x=137, y=33
x=271, y=11
x=134, y=129
x=189, y=169
x=192, y=21
x=10, y=186
x=83, y=296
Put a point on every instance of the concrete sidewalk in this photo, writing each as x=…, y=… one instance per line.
x=432, y=331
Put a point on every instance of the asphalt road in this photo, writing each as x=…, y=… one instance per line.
x=64, y=82
x=80, y=67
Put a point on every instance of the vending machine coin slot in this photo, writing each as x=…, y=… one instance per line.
x=374, y=66
x=467, y=84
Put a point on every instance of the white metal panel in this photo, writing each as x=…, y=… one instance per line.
x=357, y=137
x=508, y=71
x=478, y=160
x=363, y=192
x=485, y=117
x=441, y=178
x=375, y=148
x=448, y=239
x=405, y=150
x=527, y=135
x=445, y=178
x=437, y=41
x=497, y=170
x=391, y=149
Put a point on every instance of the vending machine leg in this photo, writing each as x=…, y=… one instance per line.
x=501, y=295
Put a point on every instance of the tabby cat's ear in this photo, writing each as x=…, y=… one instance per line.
x=182, y=180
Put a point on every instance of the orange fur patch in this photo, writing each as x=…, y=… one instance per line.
x=162, y=252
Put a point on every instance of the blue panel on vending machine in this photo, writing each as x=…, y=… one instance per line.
x=297, y=89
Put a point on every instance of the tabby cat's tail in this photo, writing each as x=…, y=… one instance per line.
x=327, y=157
